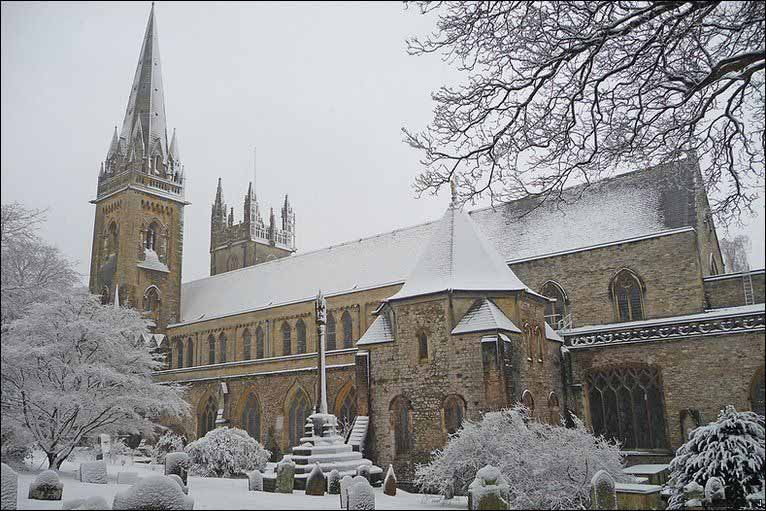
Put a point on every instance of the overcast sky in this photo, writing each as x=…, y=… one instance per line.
x=322, y=90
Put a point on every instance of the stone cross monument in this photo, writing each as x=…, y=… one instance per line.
x=321, y=320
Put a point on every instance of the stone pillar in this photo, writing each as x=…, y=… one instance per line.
x=321, y=321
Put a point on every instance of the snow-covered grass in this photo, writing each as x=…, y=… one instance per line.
x=215, y=493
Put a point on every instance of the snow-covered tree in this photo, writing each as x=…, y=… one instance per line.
x=73, y=367
x=731, y=448
x=571, y=90
x=32, y=270
x=168, y=442
x=226, y=452
x=548, y=467
x=735, y=253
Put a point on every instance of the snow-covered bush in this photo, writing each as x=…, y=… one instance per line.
x=94, y=503
x=169, y=442
x=177, y=463
x=46, y=486
x=93, y=472
x=153, y=492
x=547, y=466
x=731, y=448
x=179, y=482
x=225, y=452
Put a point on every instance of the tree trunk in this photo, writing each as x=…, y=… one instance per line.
x=52, y=461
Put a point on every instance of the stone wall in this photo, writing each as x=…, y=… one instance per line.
x=246, y=253
x=668, y=266
x=704, y=373
x=728, y=290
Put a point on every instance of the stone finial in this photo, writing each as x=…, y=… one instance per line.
x=603, y=493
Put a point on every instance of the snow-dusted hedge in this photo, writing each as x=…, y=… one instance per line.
x=93, y=472
x=95, y=503
x=547, y=466
x=224, y=452
x=153, y=492
x=731, y=448
x=169, y=442
x=10, y=487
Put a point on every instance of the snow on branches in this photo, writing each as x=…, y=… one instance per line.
x=731, y=448
x=548, y=467
x=72, y=368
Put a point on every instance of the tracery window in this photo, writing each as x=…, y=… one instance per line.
x=286, y=339
x=300, y=332
x=626, y=404
x=401, y=414
x=330, y=333
x=422, y=347
x=554, y=311
x=247, y=344
x=151, y=299
x=346, y=413
x=251, y=417
x=222, y=344
x=454, y=412
x=300, y=409
x=179, y=354
x=345, y=319
x=150, y=241
x=206, y=420
x=190, y=352
x=627, y=294
x=211, y=349
x=259, y=349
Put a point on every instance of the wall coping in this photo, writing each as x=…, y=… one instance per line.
x=738, y=275
x=249, y=375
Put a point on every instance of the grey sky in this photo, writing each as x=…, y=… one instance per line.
x=321, y=90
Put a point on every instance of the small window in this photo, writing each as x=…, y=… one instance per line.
x=330, y=334
x=454, y=411
x=151, y=237
x=540, y=336
x=247, y=344
x=151, y=299
x=422, y=346
x=189, y=352
x=179, y=354
x=347, y=330
x=627, y=294
x=286, y=339
x=528, y=401
x=300, y=329
x=528, y=336
x=222, y=343
x=259, y=349
x=554, y=311
x=211, y=349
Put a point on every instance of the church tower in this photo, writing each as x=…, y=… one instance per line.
x=138, y=232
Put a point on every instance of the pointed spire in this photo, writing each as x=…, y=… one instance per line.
x=114, y=145
x=219, y=194
x=174, y=153
x=145, y=113
x=117, y=296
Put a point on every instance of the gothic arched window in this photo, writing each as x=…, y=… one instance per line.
x=528, y=401
x=346, y=409
x=300, y=409
x=401, y=414
x=757, y=392
x=529, y=337
x=287, y=340
x=300, y=332
x=554, y=311
x=554, y=410
x=222, y=344
x=348, y=334
x=626, y=404
x=206, y=420
x=179, y=354
x=151, y=299
x=422, y=347
x=190, y=352
x=540, y=338
x=330, y=333
x=247, y=344
x=211, y=349
x=259, y=342
x=251, y=417
x=627, y=294
x=454, y=412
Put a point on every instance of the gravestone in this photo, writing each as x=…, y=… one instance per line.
x=316, y=482
x=603, y=492
x=285, y=476
x=489, y=490
x=345, y=482
x=255, y=481
x=389, y=483
x=361, y=496
x=93, y=472
x=333, y=482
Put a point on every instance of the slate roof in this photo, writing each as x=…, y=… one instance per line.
x=379, y=332
x=637, y=204
x=484, y=316
x=458, y=257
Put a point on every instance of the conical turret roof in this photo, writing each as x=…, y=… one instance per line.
x=458, y=258
x=145, y=114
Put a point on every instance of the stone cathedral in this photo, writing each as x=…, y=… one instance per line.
x=616, y=307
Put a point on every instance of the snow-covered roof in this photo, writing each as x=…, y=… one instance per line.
x=458, y=257
x=379, y=332
x=628, y=206
x=484, y=316
x=551, y=334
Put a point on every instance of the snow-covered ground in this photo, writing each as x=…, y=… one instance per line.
x=211, y=493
